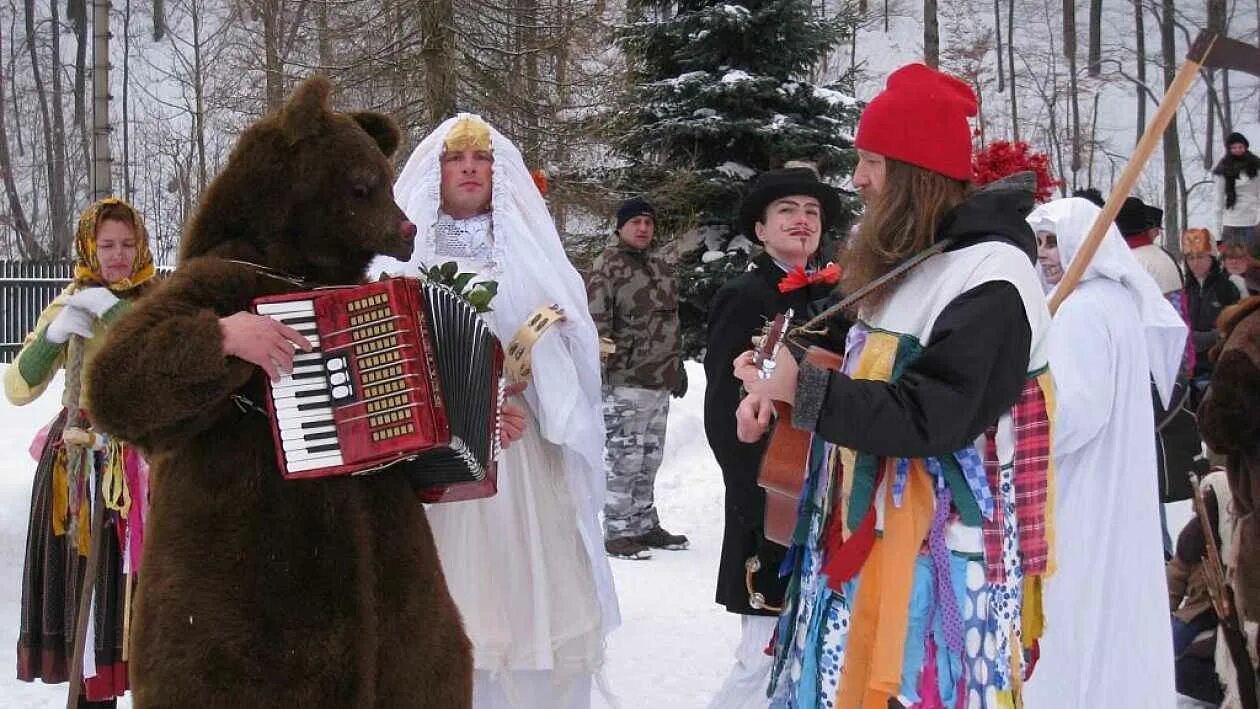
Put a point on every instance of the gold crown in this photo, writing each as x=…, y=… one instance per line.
x=468, y=133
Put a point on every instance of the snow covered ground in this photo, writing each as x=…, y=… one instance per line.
x=672, y=651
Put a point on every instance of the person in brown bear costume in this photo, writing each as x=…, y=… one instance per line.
x=262, y=592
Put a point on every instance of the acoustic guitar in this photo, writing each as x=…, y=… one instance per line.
x=783, y=467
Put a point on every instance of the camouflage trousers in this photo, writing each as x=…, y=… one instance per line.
x=634, y=420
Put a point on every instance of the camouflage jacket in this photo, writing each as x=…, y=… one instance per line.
x=634, y=303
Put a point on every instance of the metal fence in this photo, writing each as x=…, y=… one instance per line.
x=26, y=288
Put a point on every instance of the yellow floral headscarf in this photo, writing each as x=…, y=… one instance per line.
x=87, y=267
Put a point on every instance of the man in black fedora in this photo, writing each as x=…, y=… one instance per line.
x=787, y=211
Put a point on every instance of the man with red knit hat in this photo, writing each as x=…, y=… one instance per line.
x=916, y=568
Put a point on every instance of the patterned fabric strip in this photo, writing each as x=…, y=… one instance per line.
x=994, y=571
x=973, y=470
x=899, y=481
x=1031, y=471
x=947, y=602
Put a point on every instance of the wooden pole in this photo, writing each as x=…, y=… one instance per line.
x=84, y=614
x=102, y=186
x=102, y=180
x=1154, y=132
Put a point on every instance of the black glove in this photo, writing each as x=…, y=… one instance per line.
x=680, y=387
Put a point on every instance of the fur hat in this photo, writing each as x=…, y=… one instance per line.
x=1196, y=241
x=785, y=182
x=921, y=118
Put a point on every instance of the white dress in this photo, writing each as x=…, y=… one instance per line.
x=514, y=562
x=1107, y=639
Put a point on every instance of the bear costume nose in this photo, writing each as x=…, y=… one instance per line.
x=408, y=230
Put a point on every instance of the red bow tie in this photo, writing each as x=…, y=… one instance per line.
x=797, y=278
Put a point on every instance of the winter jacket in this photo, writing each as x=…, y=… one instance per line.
x=1204, y=302
x=739, y=311
x=1245, y=172
x=634, y=303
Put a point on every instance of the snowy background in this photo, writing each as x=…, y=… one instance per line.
x=675, y=644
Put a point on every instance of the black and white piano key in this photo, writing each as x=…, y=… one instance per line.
x=288, y=308
x=299, y=388
x=309, y=403
x=311, y=452
x=299, y=433
x=297, y=420
x=298, y=466
x=313, y=443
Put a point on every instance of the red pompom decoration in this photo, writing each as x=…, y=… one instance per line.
x=1004, y=158
x=540, y=181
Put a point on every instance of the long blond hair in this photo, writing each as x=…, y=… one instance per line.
x=900, y=222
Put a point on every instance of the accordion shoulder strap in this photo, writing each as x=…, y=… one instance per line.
x=517, y=353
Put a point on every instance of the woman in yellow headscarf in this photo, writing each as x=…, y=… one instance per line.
x=113, y=266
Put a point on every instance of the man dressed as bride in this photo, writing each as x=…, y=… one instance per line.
x=527, y=566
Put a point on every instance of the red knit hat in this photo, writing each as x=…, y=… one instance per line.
x=921, y=118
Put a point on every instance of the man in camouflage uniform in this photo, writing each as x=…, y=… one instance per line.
x=635, y=306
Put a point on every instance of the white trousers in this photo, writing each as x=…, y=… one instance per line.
x=745, y=687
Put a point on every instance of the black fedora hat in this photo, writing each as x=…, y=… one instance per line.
x=772, y=185
x=1134, y=217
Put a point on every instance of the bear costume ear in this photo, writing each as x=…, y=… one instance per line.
x=306, y=112
x=382, y=129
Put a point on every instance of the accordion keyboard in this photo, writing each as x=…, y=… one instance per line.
x=303, y=399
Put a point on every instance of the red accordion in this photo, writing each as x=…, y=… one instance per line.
x=401, y=371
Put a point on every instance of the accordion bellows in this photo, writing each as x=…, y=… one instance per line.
x=400, y=370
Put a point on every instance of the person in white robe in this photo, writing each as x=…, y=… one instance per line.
x=1107, y=638
x=527, y=566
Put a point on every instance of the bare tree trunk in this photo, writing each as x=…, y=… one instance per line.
x=1095, y=37
x=1218, y=21
x=126, y=102
x=76, y=10
x=325, y=38
x=199, y=103
x=931, y=35
x=1093, y=140
x=997, y=35
x=1227, y=105
x=1140, y=34
x=1069, y=51
x=1010, y=56
x=273, y=67
x=17, y=111
x=1172, y=147
x=54, y=133
x=159, y=20
x=437, y=52
x=28, y=245
x=533, y=105
x=1209, y=140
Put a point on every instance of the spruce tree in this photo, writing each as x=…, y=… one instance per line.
x=720, y=93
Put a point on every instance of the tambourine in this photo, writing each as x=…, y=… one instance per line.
x=517, y=354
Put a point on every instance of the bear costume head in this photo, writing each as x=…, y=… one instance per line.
x=307, y=191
